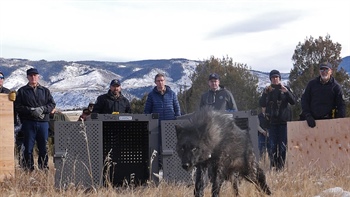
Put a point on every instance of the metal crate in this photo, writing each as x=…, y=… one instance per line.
x=172, y=170
x=73, y=145
x=119, y=146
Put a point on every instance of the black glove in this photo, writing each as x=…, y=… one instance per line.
x=37, y=112
x=310, y=121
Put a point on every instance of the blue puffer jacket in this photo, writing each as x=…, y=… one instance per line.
x=167, y=105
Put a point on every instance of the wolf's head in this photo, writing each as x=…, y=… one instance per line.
x=191, y=147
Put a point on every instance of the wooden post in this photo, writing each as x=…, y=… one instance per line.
x=323, y=147
x=7, y=143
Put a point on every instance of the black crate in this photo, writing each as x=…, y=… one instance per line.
x=127, y=145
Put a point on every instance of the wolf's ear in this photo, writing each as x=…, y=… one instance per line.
x=179, y=130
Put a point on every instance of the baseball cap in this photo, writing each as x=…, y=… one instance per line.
x=115, y=82
x=214, y=76
x=326, y=65
x=32, y=71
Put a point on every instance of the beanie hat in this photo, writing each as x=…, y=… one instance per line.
x=274, y=73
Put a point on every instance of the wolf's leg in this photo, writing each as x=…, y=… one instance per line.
x=235, y=182
x=257, y=177
x=262, y=181
x=199, y=183
x=216, y=180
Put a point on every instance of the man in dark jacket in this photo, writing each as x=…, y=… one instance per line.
x=112, y=101
x=277, y=98
x=217, y=96
x=2, y=88
x=33, y=104
x=323, y=97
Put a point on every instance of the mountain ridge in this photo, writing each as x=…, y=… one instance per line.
x=76, y=83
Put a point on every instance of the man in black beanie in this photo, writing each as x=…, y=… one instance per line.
x=277, y=98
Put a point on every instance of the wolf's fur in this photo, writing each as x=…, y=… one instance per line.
x=212, y=141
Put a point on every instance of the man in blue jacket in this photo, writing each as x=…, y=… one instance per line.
x=162, y=100
x=33, y=104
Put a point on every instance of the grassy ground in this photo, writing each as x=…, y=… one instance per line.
x=305, y=182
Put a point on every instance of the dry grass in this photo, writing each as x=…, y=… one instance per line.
x=306, y=182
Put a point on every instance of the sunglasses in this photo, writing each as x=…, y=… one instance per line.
x=324, y=69
x=2, y=77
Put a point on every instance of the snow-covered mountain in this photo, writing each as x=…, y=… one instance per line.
x=75, y=84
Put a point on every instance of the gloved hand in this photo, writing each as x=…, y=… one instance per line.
x=310, y=121
x=37, y=112
x=12, y=95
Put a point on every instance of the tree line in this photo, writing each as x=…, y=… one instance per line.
x=237, y=77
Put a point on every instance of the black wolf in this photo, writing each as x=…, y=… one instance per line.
x=212, y=141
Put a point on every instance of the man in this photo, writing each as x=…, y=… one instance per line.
x=2, y=88
x=33, y=104
x=323, y=97
x=162, y=100
x=217, y=96
x=91, y=106
x=277, y=98
x=263, y=135
x=112, y=101
x=84, y=115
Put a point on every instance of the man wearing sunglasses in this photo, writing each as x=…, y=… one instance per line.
x=2, y=88
x=323, y=97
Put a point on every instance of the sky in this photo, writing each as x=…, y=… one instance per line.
x=261, y=34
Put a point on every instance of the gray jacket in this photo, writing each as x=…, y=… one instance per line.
x=221, y=99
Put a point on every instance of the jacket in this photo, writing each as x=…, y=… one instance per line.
x=108, y=103
x=277, y=103
x=221, y=99
x=320, y=99
x=27, y=98
x=167, y=105
x=4, y=90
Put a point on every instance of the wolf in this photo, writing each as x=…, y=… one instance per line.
x=211, y=141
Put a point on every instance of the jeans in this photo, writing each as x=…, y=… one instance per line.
x=264, y=144
x=35, y=131
x=278, y=145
